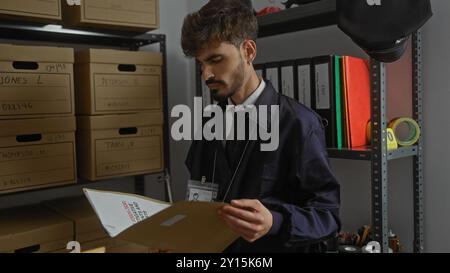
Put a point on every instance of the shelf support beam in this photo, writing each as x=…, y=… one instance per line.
x=418, y=159
x=379, y=155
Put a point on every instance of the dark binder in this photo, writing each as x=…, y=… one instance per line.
x=323, y=95
x=273, y=74
x=303, y=81
x=288, y=79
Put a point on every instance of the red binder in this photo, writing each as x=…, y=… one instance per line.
x=357, y=88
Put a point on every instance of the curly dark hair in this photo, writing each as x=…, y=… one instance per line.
x=230, y=21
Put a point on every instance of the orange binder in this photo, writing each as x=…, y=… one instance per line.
x=357, y=88
x=345, y=121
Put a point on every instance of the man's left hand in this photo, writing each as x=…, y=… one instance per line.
x=248, y=218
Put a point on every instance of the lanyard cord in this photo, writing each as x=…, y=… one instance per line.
x=235, y=172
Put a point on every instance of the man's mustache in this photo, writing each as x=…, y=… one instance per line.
x=212, y=81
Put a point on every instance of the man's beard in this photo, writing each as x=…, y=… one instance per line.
x=238, y=81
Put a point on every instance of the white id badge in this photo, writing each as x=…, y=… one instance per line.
x=201, y=191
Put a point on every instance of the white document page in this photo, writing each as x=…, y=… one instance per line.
x=119, y=211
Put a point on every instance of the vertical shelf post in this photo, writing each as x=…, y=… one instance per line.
x=163, y=49
x=418, y=160
x=166, y=173
x=379, y=155
x=140, y=180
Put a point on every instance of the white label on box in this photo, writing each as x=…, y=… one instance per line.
x=304, y=85
x=287, y=77
x=172, y=221
x=272, y=75
x=322, y=87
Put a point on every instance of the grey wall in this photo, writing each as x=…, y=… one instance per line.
x=180, y=91
x=437, y=128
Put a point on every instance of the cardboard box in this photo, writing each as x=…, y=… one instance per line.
x=118, y=246
x=78, y=210
x=135, y=15
x=116, y=82
x=120, y=145
x=33, y=229
x=97, y=246
x=37, y=153
x=88, y=230
x=182, y=227
x=31, y=10
x=36, y=81
x=109, y=245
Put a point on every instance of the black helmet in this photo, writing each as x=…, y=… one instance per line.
x=382, y=27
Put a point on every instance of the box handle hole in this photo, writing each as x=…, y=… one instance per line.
x=128, y=131
x=127, y=68
x=29, y=138
x=26, y=65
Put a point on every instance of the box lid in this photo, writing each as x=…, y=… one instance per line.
x=37, y=126
x=9, y=52
x=31, y=225
x=111, y=56
x=78, y=210
x=119, y=121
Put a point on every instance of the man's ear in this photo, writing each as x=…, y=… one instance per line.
x=250, y=51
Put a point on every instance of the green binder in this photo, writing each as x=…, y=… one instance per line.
x=337, y=69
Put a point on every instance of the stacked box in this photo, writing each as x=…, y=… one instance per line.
x=118, y=82
x=120, y=145
x=134, y=15
x=37, y=117
x=36, y=81
x=88, y=230
x=37, y=153
x=118, y=246
x=31, y=10
x=33, y=229
x=120, y=113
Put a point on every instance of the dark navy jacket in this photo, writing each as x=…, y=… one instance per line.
x=294, y=182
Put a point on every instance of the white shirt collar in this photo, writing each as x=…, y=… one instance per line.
x=251, y=100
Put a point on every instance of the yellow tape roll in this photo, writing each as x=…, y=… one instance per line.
x=414, y=131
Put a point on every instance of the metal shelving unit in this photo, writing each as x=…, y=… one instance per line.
x=121, y=39
x=313, y=15
x=365, y=153
x=323, y=13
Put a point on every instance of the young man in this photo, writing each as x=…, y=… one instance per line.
x=285, y=200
